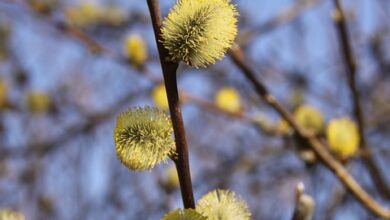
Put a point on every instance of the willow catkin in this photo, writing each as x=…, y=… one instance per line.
x=143, y=138
x=199, y=32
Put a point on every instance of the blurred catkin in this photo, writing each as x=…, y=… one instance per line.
x=309, y=118
x=135, y=50
x=38, y=102
x=159, y=96
x=3, y=94
x=343, y=136
x=228, y=99
x=9, y=214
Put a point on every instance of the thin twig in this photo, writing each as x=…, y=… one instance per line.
x=169, y=72
x=321, y=151
x=349, y=59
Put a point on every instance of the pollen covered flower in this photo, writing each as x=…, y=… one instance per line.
x=228, y=99
x=186, y=214
x=223, y=205
x=143, y=138
x=159, y=96
x=9, y=214
x=309, y=118
x=135, y=50
x=199, y=32
x=343, y=136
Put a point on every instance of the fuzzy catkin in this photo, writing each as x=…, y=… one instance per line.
x=223, y=204
x=186, y=214
x=199, y=32
x=143, y=138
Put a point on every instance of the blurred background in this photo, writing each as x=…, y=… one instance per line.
x=68, y=67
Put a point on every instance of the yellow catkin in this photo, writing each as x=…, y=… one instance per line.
x=159, y=96
x=38, y=102
x=309, y=118
x=223, y=204
x=84, y=14
x=9, y=214
x=186, y=214
x=199, y=32
x=283, y=127
x=228, y=99
x=3, y=94
x=171, y=177
x=143, y=138
x=135, y=49
x=112, y=15
x=43, y=6
x=343, y=136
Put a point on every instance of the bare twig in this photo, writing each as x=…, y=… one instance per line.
x=349, y=59
x=169, y=71
x=321, y=151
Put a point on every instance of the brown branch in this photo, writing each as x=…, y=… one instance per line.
x=349, y=59
x=169, y=72
x=321, y=151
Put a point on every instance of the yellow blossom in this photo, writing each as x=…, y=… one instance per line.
x=160, y=97
x=186, y=214
x=112, y=15
x=135, y=50
x=9, y=214
x=309, y=118
x=171, y=177
x=84, y=14
x=223, y=204
x=343, y=136
x=228, y=99
x=283, y=127
x=199, y=32
x=38, y=102
x=3, y=94
x=143, y=138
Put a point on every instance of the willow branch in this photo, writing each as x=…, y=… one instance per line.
x=349, y=60
x=317, y=146
x=169, y=72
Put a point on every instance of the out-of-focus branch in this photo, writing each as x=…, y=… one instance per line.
x=336, y=198
x=317, y=146
x=349, y=59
